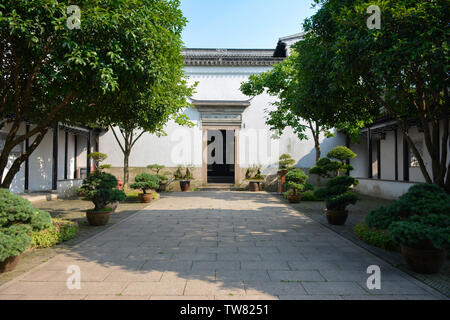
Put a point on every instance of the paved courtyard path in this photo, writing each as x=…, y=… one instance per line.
x=216, y=245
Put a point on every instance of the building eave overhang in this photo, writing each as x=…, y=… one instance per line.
x=221, y=103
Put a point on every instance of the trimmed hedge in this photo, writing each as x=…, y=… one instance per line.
x=421, y=199
x=375, y=237
x=18, y=219
x=59, y=231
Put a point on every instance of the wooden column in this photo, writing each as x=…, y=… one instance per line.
x=396, y=153
x=27, y=161
x=237, y=165
x=66, y=154
x=379, y=158
x=75, y=154
x=55, y=158
x=88, y=161
x=369, y=155
x=405, y=160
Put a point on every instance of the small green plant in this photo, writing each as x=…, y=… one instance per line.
x=254, y=173
x=338, y=194
x=296, y=180
x=309, y=196
x=59, y=231
x=101, y=189
x=145, y=182
x=375, y=237
x=184, y=173
x=286, y=162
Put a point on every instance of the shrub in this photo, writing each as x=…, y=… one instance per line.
x=337, y=193
x=14, y=240
x=101, y=189
x=309, y=196
x=341, y=153
x=286, y=162
x=59, y=231
x=421, y=199
x=375, y=237
x=145, y=181
x=422, y=232
x=296, y=180
x=17, y=220
x=187, y=175
x=328, y=168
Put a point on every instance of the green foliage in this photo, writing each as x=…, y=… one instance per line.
x=184, y=173
x=14, y=209
x=254, y=173
x=296, y=180
x=341, y=153
x=59, y=231
x=14, y=240
x=105, y=166
x=97, y=156
x=156, y=167
x=421, y=199
x=286, y=162
x=337, y=193
x=399, y=71
x=101, y=189
x=375, y=237
x=41, y=220
x=423, y=232
x=310, y=196
x=145, y=181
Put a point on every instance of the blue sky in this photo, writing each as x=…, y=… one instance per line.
x=242, y=23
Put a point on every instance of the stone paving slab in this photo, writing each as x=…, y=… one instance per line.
x=222, y=246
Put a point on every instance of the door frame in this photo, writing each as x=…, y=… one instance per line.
x=237, y=167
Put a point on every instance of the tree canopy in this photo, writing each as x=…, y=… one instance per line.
x=125, y=54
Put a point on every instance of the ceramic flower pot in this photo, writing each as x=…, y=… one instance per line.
x=145, y=197
x=426, y=261
x=9, y=263
x=254, y=186
x=294, y=198
x=185, y=185
x=336, y=217
x=98, y=218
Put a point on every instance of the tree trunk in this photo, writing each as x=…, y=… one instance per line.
x=126, y=171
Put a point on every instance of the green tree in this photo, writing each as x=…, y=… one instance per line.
x=306, y=101
x=401, y=68
x=51, y=74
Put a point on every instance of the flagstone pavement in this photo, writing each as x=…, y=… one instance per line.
x=216, y=245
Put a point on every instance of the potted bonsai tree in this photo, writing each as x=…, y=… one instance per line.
x=334, y=164
x=419, y=222
x=98, y=158
x=295, y=180
x=101, y=189
x=184, y=176
x=163, y=178
x=285, y=164
x=145, y=182
x=18, y=219
x=423, y=240
x=338, y=195
x=254, y=176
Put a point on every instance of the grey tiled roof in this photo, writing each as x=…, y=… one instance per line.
x=230, y=57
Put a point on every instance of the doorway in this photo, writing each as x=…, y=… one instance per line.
x=221, y=156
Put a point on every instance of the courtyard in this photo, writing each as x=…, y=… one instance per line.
x=216, y=245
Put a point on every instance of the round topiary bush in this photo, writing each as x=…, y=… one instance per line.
x=145, y=182
x=341, y=153
x=101, y=189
